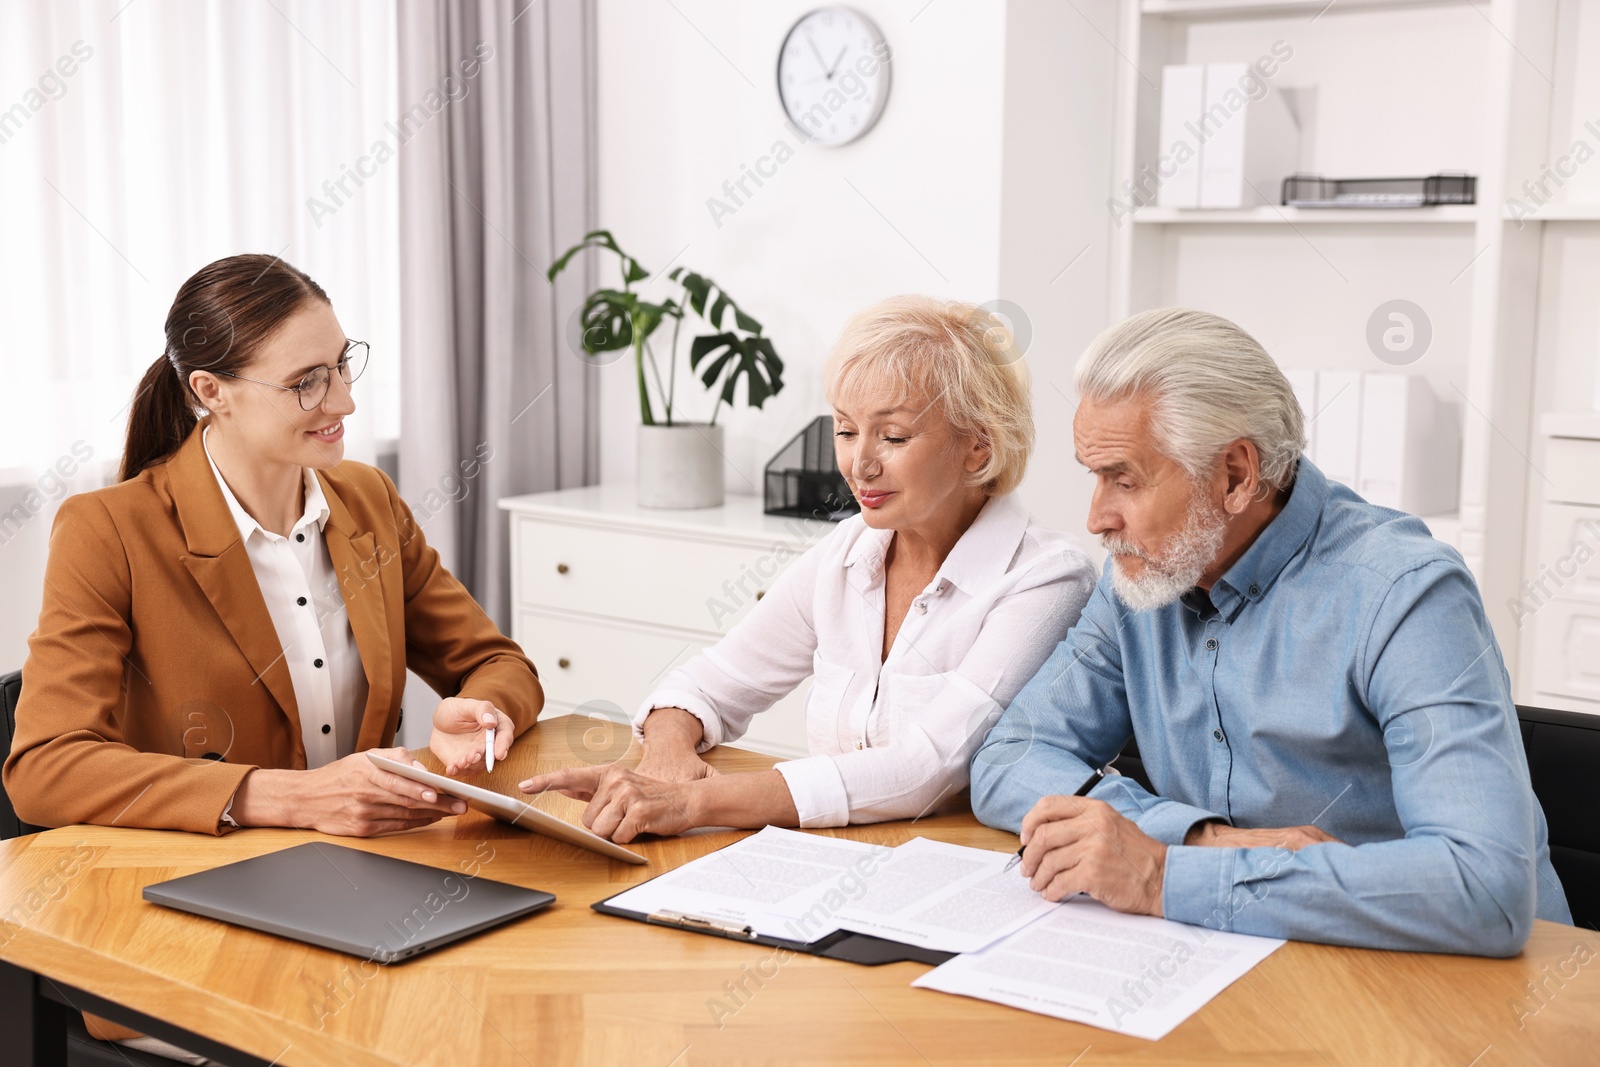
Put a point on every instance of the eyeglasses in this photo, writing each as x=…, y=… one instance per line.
x=313, y=388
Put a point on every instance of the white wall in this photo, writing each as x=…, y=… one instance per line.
x=688, y=97
x=986, y=176
x=1055, y=230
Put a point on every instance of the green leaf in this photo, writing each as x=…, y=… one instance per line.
x=699, y=290
x=607, y=318
x=617, y=318
x=752, y=359
x=714, y=369
x=647, y=316
x=632, y=269
x=745, y=321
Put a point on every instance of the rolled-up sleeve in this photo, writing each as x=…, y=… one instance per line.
x=950, y=712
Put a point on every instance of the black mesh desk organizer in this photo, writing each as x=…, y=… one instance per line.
x=803, y=479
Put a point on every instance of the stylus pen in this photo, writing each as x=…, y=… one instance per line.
x=488, y=749
x=1083, y=791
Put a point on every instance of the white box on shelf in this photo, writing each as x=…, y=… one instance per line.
x=1410, y=446
x=1339, y=425
x=1250, y=145
x=1304, y=384
x=1182, y=105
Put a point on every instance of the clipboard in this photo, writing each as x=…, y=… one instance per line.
x=866, y=949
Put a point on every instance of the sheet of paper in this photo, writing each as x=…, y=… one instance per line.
x=1134, y=974
x=781, y=883
x=946, y=897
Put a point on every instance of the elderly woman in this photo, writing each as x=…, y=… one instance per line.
x=920, y=618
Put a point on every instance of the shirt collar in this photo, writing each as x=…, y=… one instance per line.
x=1253, y=573
x=982, y=554
x=316, y=509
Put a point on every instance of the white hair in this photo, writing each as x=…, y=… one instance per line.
x=1209, y=382
x=962, y=358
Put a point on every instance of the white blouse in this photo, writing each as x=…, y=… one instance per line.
x=303, y=598
x=889, y=739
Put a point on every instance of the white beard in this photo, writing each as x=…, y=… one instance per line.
x=1177, y=569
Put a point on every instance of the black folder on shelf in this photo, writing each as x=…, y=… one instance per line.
x=836, y=945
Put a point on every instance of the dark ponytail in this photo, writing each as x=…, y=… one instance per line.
x=219, y=318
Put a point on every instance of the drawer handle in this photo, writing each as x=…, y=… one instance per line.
x=561, y=568
x=760, y=593
x=563, y=663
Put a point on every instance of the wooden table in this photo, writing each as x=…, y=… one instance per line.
x=569, y=986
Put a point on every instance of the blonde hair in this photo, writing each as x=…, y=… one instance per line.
x=960, y=356
x=1211, y=384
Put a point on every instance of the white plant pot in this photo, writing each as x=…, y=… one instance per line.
x=680, y=466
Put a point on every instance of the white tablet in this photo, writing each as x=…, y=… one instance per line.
x=511, y=810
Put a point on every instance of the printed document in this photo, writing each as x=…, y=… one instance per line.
x=945, y=897
x=1134, y=974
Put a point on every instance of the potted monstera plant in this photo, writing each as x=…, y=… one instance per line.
x=680, y=462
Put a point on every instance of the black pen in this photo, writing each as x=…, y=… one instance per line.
x=1083, y=791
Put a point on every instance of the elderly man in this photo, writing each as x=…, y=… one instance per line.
x=1311, y=680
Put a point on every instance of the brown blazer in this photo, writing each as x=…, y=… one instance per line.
x=155, y=681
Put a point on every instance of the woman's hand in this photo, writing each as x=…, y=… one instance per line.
x=671, y=736
x=351, y=797
x=674, y=766
x=458, y=733
x=622, y=804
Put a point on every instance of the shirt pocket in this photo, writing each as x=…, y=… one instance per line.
x=909, y=697
x=947, y=707
x=828, y=728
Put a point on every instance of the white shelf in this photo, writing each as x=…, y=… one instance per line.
x=1560, y=213
x=1478, y=278
x=1584, y=425
x=1248, y=9
x=1449, y=214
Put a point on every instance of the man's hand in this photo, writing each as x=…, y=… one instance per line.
x=1078, y=845
x=622, y=804
x=458, y=733
x=351, y=797
x=1221, y=835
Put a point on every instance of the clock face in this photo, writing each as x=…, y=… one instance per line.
x=833, y=75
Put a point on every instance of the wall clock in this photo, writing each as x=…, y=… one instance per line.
x=833, y=75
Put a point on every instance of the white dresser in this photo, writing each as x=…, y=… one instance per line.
x=1559, y=603
x=609, y=596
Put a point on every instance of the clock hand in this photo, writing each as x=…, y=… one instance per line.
x=816, y=52
x=839, y=60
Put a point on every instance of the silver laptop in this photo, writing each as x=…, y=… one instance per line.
x=377, y=907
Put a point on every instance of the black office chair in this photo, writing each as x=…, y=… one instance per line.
x=1129, y=763
x=82, y=1050
x=1563, y=758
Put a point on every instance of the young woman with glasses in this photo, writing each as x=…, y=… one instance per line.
x=226, y=631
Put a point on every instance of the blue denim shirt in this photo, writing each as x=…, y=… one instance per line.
x=1341, y=673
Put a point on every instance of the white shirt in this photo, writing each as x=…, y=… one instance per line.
x=890, y=739
x=303, y=598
